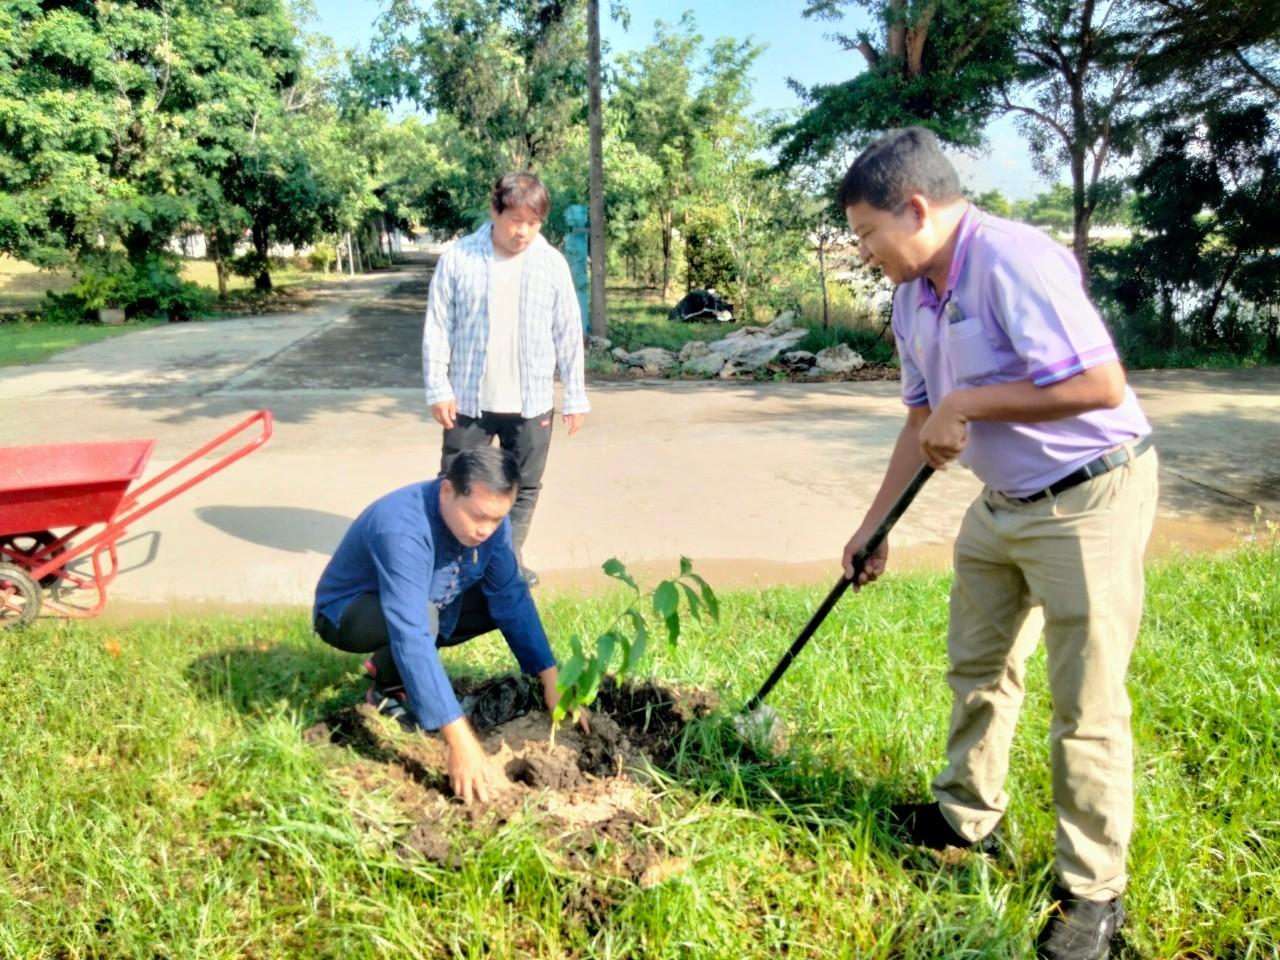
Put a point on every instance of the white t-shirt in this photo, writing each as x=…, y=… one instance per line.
x=500, y=386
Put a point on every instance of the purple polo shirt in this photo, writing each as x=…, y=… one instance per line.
x=1014, y=309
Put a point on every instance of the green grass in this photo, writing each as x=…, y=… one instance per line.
x=30, y=342
x=159, y=800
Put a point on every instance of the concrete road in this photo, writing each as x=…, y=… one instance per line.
x=757, y=482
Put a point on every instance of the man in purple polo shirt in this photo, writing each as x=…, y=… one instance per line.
x=1008, y=370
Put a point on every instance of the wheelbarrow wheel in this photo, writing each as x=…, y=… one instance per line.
x=19, y=597
x=27, y=545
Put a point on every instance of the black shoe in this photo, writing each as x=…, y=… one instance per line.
x=923, y=825
x=1079, y=929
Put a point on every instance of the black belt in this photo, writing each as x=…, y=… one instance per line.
x=1094, y=468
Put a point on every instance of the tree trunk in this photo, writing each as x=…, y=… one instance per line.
x=1211, y=312
x=595, y=186
x=667, y=227
x=822, y=277
x=261, y=244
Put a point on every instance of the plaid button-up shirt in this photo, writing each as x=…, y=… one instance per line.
x=456, y=333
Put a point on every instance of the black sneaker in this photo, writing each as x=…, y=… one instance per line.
x=1079, y=929
x=923, y=825
x=392, y=702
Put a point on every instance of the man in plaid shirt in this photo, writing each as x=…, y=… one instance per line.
x=502, y=318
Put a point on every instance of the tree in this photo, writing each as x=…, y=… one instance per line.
x=673, y=119
x=931, y=62
x=595, y=122
x=1204, y=256
x=511, y=73
x=126, y=122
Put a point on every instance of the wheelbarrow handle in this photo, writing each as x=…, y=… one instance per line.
x=860, y=559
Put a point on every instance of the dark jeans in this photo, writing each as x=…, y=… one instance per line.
x=528, y=439
x=364, y=630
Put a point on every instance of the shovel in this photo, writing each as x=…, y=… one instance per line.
x=757, y=723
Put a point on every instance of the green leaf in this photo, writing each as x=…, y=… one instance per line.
x=615, y=568
x=636, y=654
x=672, y=621
x=570, y=671
x=708, y=597
x=695, y=605
x=686, y=566
x=590, y=685
x=605, y=645
x=665, y=599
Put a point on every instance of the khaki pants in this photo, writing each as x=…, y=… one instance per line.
x=1079, y=556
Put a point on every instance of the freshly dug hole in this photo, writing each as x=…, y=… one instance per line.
x=587, y=788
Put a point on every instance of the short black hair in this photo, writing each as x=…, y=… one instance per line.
x=521, y=190
x=497, y=469
x=900, y=163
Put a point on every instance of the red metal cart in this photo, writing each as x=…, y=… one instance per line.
x=60, y=503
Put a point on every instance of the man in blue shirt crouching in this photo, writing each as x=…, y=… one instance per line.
x=431, y=565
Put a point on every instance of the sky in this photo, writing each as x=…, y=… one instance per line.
x=794, y=47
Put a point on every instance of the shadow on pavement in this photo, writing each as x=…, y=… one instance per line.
x=295, y=529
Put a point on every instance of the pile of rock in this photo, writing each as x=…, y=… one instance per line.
x=745, y=351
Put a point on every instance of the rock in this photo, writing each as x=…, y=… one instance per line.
x=598, y=344
x=692, y=349
x=839, y=359
x=798, y=360
x=651, y=360
x=727, y=371
x=750, y=351
x=784, y=322
x=708, y=364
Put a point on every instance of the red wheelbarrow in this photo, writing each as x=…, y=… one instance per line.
x=60, y=503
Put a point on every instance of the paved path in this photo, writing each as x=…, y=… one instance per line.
x=756, y=482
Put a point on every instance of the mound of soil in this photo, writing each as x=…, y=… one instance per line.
x=587, y=787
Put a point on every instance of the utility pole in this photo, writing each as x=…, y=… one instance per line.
x=595, y=185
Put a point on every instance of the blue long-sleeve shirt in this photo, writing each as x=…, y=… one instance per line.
x=401, y=549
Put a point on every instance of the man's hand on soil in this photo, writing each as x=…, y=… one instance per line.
x=573, y=422
x=467, y=775
x=445, y=413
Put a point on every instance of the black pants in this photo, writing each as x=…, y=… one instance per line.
x=364, y=630
x=528, y=439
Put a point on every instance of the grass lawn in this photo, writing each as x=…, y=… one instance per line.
x=160, y=800
x=28, y=342
x=22, y=288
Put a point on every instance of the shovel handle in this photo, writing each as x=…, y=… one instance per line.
x=860, y=558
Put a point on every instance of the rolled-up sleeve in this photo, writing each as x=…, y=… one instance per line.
x=404, y=566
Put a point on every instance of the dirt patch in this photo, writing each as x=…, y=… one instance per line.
x=588, y=792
